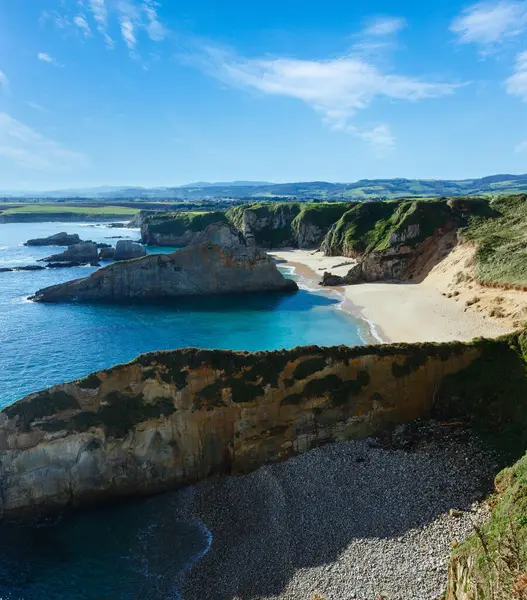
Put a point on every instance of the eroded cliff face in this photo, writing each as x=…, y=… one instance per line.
x=219, y=262
x=172, y=418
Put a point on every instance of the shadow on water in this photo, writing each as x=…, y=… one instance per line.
x=298, y=301
x=136, y=550
x=264, y=527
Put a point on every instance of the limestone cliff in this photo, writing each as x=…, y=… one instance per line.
x=171, y=418
x=396, y=240
x=219, y=262
x=281, y=224
x=175, y=229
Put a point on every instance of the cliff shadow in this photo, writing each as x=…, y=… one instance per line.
x=309, y=511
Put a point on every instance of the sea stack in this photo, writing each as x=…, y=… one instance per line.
x=218, y=262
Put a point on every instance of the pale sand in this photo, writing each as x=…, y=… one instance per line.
x=400, y=312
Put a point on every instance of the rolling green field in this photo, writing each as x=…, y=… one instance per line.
x=61, y=208
x=31, y=213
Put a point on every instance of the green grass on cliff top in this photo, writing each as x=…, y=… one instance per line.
x=499, y=547
x=501, y=242
x=64, y=209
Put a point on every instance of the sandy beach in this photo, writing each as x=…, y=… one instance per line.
x=399, y=312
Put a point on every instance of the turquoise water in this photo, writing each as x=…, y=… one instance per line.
x=140, y=549
x=45, y=344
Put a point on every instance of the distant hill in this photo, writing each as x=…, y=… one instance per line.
x=363, y=189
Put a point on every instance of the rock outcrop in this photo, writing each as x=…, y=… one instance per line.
x=354, y=275
x=219, y=262
x=83, y=252
x=107, y=253
x=173, y=418
x=126, y=250
x=176, y=229
x=58, y=239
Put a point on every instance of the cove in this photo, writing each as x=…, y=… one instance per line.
x=43, y=345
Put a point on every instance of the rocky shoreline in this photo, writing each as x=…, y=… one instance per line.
x=354, y=520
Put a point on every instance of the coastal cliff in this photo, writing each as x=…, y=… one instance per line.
x=172, y=418
x=219, y=262
x=175, y=229
x=282, y=224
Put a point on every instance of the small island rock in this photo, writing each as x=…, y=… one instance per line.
x=220, y=262
x=83, y=252
x=126, y=250
x=58, y=239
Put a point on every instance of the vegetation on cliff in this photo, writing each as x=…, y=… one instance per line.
x=492, y=563
x=501, y=242
x=375, y=226
x=178, y=223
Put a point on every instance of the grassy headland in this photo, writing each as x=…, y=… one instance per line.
x=57, y=212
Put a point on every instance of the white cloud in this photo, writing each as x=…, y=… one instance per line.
x=521, y=147
x=132, y=16
x=335, y=88
x=380, y=26
x=155, y=29
x=27, y=148
x=45, y=57
x=81, y=22
x=491, y=23
x=516, y=84
x=380, y=138
x=127, y=31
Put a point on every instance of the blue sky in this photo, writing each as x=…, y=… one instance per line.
x=145, y=92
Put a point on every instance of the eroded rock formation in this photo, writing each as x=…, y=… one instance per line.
x=58, y=239
x=126, y=250
x=172, y=418
x=83, y=252
x=219, y=262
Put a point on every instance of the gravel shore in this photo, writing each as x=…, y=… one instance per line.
x=352, y=520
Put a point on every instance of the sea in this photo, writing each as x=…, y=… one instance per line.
x=142, y=548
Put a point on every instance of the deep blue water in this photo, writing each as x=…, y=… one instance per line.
x=141, y=549
x=45, y=344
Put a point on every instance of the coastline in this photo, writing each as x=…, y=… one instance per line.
x=396, y=312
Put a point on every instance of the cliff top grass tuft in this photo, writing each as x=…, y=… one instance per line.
x=501, y=242
x=499, y=548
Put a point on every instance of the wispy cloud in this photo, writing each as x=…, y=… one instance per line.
x=23, y=146
x=489, y=24
x=521, y=147
x=380, y=26
x=133, y=18
x=48, y=59
x=517, y=83
x=36, y=106
x=4, y=82
x=335, y=88
x=81, y=23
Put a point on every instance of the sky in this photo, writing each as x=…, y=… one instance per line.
x=162, y=93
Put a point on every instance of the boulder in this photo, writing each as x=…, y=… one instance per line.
x=83, y=252
x=353, y=276
x=126, y=249
x=107, y=253
x=220, y=262
x=58, y=239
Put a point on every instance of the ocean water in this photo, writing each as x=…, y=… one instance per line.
x=45, y=344
x=139, y=549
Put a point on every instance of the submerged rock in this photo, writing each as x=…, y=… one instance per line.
x=83, y=252
x=58, y=239
x=126, y=250
x=220, y=262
